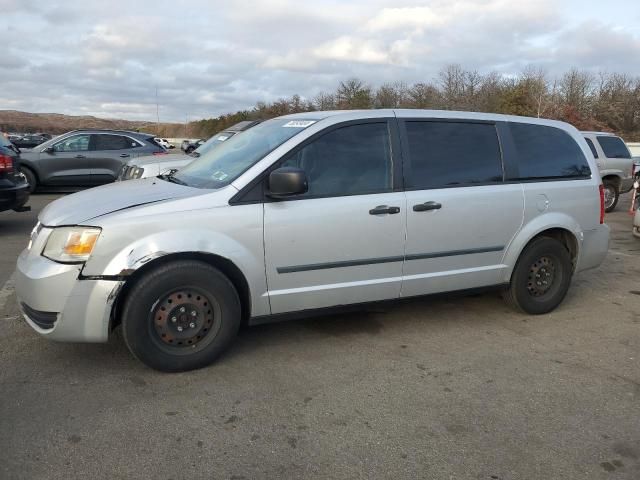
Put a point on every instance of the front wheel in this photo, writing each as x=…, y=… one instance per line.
x=611, y=196
x=541, y=277
x=181, y=316
x=31, y=178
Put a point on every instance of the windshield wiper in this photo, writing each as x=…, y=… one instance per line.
x=172, y=179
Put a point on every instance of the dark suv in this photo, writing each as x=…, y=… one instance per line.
x=14, y=190
x=84, y=158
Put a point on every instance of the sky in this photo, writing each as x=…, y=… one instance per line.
x=205, y=58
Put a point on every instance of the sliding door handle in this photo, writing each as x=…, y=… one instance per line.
x=423, y=207
x=383, y=209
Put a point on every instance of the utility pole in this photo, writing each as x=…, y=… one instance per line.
x=157, y=113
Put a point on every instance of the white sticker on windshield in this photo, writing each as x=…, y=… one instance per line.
x=222, y=138
x=219, y=175
x=299, y=123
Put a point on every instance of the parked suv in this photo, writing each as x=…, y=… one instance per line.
x=14, y=190
x=85, y=157
x=152, y=166
x=314, y=211
x=615, y=164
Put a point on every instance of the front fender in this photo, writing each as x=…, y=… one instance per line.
x=536, y=226
x=124, y=248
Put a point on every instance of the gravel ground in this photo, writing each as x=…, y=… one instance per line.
x=449, y=387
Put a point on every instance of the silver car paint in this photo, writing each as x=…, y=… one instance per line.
x=260, y=239
x=80, y=207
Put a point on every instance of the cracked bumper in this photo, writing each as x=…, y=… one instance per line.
x=82, y=308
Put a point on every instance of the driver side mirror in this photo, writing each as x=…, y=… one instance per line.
x=48, y=150
x=287, y=181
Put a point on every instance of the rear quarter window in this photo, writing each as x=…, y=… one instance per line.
x=613, y=147
x=546, y=152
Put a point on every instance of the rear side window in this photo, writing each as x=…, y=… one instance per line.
x=347, y=161
x=114, y=142
x=449, y=154
x=547, y=152
x=592, y=147
x=613, y=147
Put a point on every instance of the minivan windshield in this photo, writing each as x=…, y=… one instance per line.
x=214, y=141
x=222, y=165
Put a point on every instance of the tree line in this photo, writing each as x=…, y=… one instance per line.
x=605, y=101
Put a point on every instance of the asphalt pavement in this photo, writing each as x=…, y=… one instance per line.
x=438, y=388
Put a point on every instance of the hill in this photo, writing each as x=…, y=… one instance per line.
x=56, y=123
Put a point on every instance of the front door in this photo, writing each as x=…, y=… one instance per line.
x=67, y=164
x=342, y=242
x=460, y=214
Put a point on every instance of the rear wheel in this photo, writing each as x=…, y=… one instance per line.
x=541, y=277
x=181, y=316
x=611, y=195
x=31, y=178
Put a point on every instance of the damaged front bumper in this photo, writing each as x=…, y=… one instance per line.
x=59, y=304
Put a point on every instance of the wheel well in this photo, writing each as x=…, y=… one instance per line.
x=613, y=179
x=227, y=267
x=30, y=168
x=565, y=237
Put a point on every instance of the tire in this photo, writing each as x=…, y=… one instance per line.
x=31, y=178
x=549, y=259
x=166, y=300
x=611, y=190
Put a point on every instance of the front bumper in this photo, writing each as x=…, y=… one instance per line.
x=79, y=309
x=594, y=248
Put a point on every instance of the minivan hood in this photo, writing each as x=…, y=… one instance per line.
x=80, y=207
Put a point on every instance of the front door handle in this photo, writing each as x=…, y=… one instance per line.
x=80, y=156
x=124, y=155
x=382, y=209
x=423, y=207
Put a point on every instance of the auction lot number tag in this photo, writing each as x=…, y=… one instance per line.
x=299, y=123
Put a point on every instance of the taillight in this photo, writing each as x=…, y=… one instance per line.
x=6, y=163
x=601, y=204
x=160, y=153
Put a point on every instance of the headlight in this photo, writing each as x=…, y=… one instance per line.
x=135, y=172
x=71, y=244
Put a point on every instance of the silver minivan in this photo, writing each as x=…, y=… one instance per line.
x=314, y=211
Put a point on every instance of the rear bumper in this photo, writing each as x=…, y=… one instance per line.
x=59, y=305
x=594, y=249
x=626, y=184
x=14, y=197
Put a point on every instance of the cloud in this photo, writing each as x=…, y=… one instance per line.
x=207, y=58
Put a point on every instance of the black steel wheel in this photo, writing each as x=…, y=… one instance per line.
x=180, y=316
x=541, y=277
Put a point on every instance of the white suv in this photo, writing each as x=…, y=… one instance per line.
x=315, y=211
x=614, y=163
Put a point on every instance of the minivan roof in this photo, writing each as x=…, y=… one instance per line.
x=408, y=113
